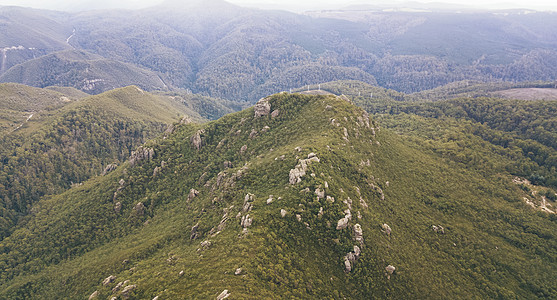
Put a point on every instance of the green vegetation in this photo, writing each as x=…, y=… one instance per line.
x=81, y=70
x=143, y=223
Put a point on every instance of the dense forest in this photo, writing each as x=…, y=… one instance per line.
x=221, y=50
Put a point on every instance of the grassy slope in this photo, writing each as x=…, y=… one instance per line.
x=493, y=246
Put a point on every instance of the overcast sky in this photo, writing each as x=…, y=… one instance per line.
x=293, y=5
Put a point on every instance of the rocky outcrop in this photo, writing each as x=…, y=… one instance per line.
x=390, y=270
x=243, y=149
x=246, y=222
x=358, y=234
x=270, y=199
x=204, y=245
x=196, y=139
x=139, y=209
x=283, y=213
x=350, y=258
x=127, y=291
x=299, y=171
x=193, y=193
x=225, y=294
x=386, y=229
x=438, y=229
x=238, y=271
x=248, y=199
x=109, y=169
x=108, y=280
x=262, y=107
x=94, y=295
x=343, y=223
x=117, y=207
x=275, y=113
x=119, y=286
x=141, y=154
x=193, y=233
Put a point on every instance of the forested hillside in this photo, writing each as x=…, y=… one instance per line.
x=52, y=141
x=221, y=50
x=301, y=196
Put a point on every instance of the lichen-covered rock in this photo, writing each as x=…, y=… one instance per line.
x=248, y=199
x=262, y=108
x=196, y=139
x=108, y=280
x=225, y=294
x=357, y=252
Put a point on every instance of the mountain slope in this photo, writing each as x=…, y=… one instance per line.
x=84, y=71
x=291, y=195
x=63, y=142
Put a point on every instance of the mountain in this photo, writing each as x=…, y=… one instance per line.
x=52, y=141
x=87, y=72
x=222, y=50
x=29, y=33
x=301, y=196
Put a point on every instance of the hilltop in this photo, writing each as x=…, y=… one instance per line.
x=301, y=196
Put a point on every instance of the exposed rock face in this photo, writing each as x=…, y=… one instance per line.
x=205, y=245
x=299, y=171
x=386, y=229
x=94, y=295
x=320, y=193
x=225, y=294
x=270, y=200
x=248, y=199
x=119, y=286
x=196, y=139
x=238, y=271
x=193, y=193
x=141, y=154
x=343, y=223
x=438, y=229
x=358, y=234
x=246, y=221
x=283, y=213
x=194, y=234
x=262, y=107
x=127, y=290
x=347, y=265
x=108, y=280
x=139, y=209
x=390, y=270
x=275, y=113
x=109, y=169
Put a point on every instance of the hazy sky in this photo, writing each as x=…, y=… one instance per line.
x=294, y=5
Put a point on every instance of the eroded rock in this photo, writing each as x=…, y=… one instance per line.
x=262, y=108
x=225, y=294
x=343, y=223
x=358, y=234
x=196, y=139
x=141, y=154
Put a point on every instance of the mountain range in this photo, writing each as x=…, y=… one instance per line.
x=221, y=50
x=202, y=150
